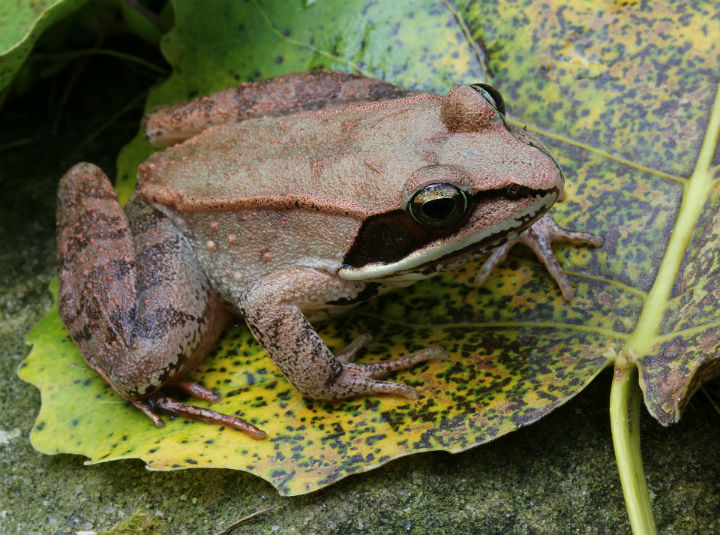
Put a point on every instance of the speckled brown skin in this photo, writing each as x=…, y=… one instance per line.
x=132, y=294
x=285, y=199
x=281, y=95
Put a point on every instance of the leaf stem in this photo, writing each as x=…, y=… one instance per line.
x=625, y=398
x=695, y=195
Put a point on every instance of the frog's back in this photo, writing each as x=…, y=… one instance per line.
x=351, y=160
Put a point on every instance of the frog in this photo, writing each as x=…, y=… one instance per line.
x=286, y=201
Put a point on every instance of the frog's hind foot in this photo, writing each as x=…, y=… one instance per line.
x=362, y=379
x=540, y=237
x=197, y=390
x=151, y=406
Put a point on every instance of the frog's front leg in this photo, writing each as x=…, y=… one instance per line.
x=134, y=297
x=540, y=237
x=272, y=308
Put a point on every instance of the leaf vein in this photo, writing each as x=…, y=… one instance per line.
x=595, y=150
x=308, y=46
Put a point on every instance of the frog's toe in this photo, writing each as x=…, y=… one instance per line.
x=554, y=232
x=147, y=409
x=353, y=348
x=159, y=403
x=197, y=390
x=353, y=384
x=378, y=370
x=362, y=379
x=495, y=259
x=540, y=237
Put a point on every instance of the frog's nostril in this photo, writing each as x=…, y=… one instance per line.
x=516, y=191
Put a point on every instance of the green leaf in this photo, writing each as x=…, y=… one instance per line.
x=21, y=23
x=622, y=93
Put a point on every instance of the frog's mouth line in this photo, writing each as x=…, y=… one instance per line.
x=392, y=242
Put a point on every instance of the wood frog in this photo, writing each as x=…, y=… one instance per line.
x=286, y=200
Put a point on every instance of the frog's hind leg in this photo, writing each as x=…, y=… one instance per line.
x=159, y=403
x=132, y=295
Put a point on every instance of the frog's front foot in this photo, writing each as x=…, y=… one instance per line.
x=355, y=379
x=271, y=311
x=540, y=237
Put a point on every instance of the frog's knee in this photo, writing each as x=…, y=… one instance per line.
x=84, y=180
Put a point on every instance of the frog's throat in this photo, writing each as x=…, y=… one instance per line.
x=442, y=250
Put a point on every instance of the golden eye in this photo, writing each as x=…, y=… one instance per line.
x=492, y=95
x=439, y=205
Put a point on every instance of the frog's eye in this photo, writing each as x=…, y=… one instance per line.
x=439, y=205
x=492, y=95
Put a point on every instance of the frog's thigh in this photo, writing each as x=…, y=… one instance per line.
x=139, y=308
x=272, y=309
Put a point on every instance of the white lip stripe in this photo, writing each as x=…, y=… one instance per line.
x=426, y=255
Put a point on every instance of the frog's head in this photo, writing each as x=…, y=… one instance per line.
x=491, y=182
